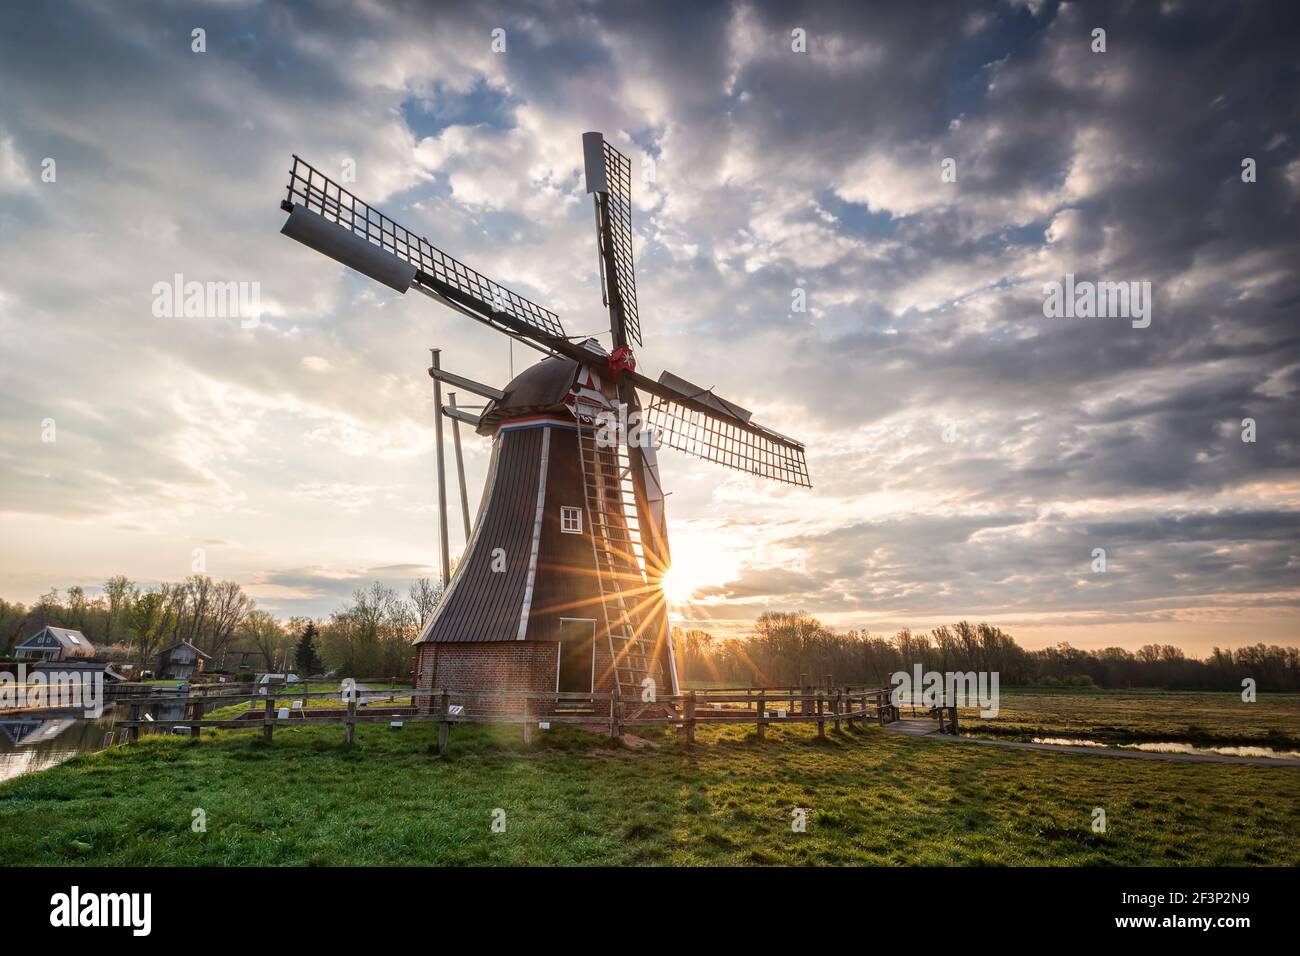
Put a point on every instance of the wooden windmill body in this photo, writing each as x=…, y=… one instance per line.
x=560, y=585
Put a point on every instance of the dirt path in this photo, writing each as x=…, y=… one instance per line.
x=923, y=727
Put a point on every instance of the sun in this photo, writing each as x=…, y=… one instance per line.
x=700, y=560
x=677, y=586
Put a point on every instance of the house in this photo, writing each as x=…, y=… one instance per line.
x=181, y=661
x=54, y=644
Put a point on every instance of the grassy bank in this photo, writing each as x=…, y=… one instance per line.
x=1112, y=716
x=872, y=797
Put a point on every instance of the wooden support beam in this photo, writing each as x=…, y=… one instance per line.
x=350, y=721
x=268, y=722
x=444, y=708
x=441, y=375
x=444, y=547
x=460, y=466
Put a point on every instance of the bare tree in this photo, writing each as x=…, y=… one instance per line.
x=229, y=607
x=264, y=633
x=424, y=596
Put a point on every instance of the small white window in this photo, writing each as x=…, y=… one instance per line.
x=570, y=520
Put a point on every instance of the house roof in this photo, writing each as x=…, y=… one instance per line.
x=176, y=644
x=65, y=636
x=106, y=667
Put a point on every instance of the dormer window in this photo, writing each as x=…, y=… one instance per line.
x=570, y=520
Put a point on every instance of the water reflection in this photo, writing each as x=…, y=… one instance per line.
x=1173, y=747
x=28, y=744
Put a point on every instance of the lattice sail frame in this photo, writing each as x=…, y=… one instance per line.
x=753, y=449
x=618, y=182
x=315, y=191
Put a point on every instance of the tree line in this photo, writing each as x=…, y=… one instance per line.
x=368, y=636
x=784, y=647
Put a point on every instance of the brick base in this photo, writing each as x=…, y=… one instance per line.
x=466, y=669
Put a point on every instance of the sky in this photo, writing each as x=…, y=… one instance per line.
x=915, y=175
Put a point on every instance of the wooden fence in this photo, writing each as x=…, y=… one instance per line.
x=760, y=706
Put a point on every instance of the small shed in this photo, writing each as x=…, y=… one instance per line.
x=80, y=667
x=54, y=644
x=181, y=661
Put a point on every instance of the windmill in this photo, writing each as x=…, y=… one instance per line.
x=560, y=585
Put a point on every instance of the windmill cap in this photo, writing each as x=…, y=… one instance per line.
x=538, y=390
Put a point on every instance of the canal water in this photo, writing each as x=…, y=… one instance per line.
x=28, y=744
x=1174, y=747
x=31, y=742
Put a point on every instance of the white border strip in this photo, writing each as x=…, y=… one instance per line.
x=537, y=536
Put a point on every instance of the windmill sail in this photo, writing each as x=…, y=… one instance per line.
x=694, y=420
x=609, y=173
x=313, y=194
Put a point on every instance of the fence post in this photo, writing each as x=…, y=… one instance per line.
x=196, y=713
x=952, y=720
x=349, y=722
x=690, y=717
x=528, y=720
x=133, y=733
x=804, y=706
x=268, y=725
x=835, y=709
x=821, y=720
x=762, y=714
x=443, y=725
x=615, y=725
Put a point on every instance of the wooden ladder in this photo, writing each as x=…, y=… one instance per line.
x=616, y=544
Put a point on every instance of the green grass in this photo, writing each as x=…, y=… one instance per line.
x=872, y=797
x=1134, y=716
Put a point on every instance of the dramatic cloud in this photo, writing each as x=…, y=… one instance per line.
x=969, y=454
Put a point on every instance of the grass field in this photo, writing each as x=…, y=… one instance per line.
x=871, y=797
x=1136, y=716
x=374, y=691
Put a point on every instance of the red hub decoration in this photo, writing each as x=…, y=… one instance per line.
x=622, y=360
